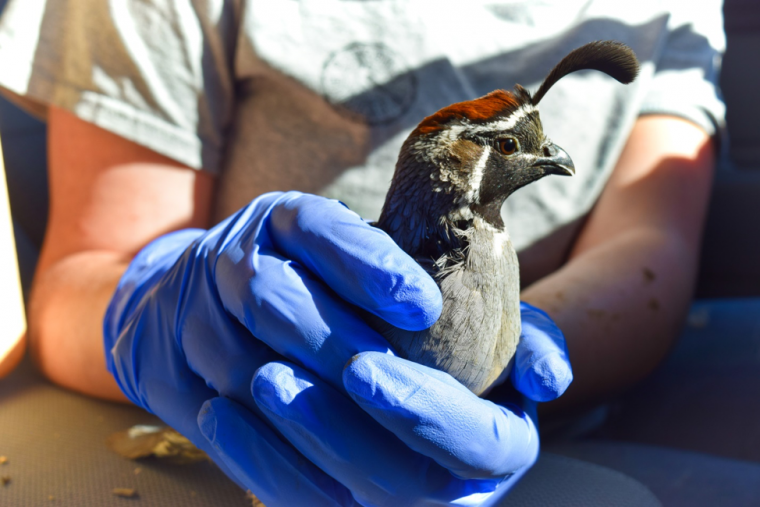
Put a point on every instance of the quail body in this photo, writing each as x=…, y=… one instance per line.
x=454, y=172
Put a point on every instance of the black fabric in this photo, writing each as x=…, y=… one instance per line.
x=24, y=145
x=558, y=481
x=678, y=478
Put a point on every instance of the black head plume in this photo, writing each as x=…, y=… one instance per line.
x=611, y=57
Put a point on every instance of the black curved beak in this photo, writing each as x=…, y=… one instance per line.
x=555, y=161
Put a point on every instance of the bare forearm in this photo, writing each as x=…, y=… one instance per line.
x=622, y=296
x=68, y=301
x=620, y=306
x=109, y=197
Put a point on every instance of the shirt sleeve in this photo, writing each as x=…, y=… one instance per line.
x=156, y=72
x=685, y=82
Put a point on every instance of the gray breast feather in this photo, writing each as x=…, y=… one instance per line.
x=475, y=338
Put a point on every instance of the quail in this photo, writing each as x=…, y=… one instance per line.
x=453, y=174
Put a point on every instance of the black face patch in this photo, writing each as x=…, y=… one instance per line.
x=504, y=174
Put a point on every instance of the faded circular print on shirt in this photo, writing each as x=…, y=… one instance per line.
x=369, y=82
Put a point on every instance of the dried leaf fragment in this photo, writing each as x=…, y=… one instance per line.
x=125, y=492
x=5, y=480
x=255, y=502
x=142, y=441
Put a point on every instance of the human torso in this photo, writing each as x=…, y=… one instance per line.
x=328, y=92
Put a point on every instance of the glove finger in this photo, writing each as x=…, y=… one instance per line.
x=350, y=446
x=291, y=311
x=470, y=436
x=178, y=409
x=542, y=370
x=271, y=468
x=223, y=352
x=359, y=262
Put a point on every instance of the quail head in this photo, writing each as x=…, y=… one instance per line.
x=444, y=209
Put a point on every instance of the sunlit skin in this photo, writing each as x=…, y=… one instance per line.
x=110, y=197
x=623, y=295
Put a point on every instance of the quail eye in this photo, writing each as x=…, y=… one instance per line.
x=508, y=146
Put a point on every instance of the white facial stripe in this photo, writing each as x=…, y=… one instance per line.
x=507, y=124
x=453, y=132
x=476, y=177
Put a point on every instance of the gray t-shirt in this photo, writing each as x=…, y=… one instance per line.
x=319, y=96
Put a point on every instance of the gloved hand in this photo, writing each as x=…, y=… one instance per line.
x=198, y=312
x=411, y=436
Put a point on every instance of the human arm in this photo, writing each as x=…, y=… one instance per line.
x=109, y=197
x=622, y=295
x=116, y=72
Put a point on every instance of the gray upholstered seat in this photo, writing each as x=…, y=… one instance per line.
x=55, y=444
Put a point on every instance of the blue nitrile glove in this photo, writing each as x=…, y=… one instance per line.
x=198, y=312
x=411, y=436
x=541, y=369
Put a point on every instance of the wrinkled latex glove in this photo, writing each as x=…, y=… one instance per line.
x=408, y=435
x=198, y=312
x=541, y=369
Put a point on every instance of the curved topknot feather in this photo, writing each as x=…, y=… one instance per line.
x=611, y=57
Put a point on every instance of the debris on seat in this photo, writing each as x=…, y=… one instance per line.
x=162, y=442
x=125, y=492
x=255, y=502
